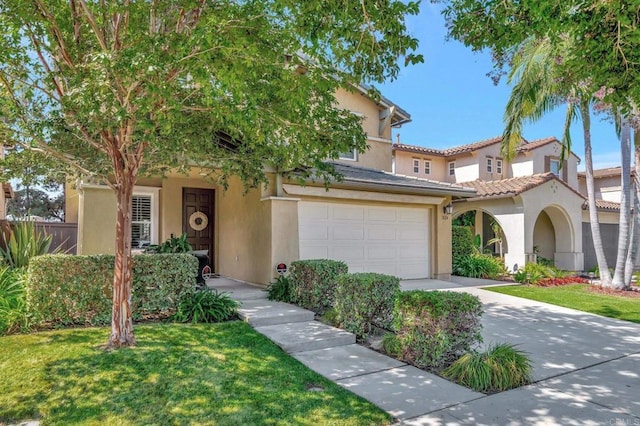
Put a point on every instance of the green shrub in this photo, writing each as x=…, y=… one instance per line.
x=479, y=266
x=436, y=327
x=500, y=368
x=391, y=345
x=313, y=282
x=24, y=242
x=171, y=245
x=462, y=242
x=330, y=317
x=13, y=304
x=532, y=273
x=363, y=300
x=205, y=306
x=64, y=289
x=280, y=290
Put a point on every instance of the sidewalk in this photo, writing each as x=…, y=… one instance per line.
x=585, y=366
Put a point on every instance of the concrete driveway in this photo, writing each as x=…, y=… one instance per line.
x=586, y=367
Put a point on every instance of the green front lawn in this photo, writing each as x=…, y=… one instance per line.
x=578, y=297
x=223, y=374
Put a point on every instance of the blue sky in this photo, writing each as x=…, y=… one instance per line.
x=453, y=102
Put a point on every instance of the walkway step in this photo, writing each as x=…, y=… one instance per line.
x=306, y=336
x=407, y=392
x=346, y=361
x=264, y=312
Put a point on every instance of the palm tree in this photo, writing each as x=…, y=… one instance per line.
x=538, y=88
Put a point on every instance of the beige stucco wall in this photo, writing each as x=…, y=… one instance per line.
x=244, y=234
x=606, y=188
x=404, y=165
x=71, y=203
x=96, y=220
x=467, y=168
x=553, y=150
x=377, y=157
x=611, y=217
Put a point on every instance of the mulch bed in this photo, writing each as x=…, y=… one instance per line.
x=633, y=293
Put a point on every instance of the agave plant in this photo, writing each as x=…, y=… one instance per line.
x=13, y=305
x=22, y=242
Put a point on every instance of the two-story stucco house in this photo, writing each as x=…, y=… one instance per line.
x=373, y=220
x=534, y=198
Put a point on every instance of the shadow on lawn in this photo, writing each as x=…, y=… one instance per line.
x=179, y=374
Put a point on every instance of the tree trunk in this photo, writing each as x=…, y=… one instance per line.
x=605, y=276
x=121, y=321
x=625, y=207
x=634, y=253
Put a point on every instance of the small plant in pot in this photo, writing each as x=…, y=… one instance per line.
x=172, y=245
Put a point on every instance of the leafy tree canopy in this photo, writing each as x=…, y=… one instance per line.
x=602, y=37
x=229, y=85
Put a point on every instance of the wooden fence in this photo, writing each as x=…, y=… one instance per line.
x=65, y=235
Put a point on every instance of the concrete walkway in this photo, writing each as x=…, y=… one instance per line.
x=586, y=367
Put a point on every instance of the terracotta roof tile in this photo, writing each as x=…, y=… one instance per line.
x=418, y=149
x=603, y=205
x=528, y=146
x=472, y=146
x=513, y=186
x=601, y=173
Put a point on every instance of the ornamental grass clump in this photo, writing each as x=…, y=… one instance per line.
x=499, y=368
x=13, y=303
x=205, y=306
x=435, y=328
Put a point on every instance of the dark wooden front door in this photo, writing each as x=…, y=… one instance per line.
x=197, y=218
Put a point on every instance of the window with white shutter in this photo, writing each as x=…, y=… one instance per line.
x=144, y=216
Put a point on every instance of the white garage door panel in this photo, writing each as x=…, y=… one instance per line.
x=388, y=240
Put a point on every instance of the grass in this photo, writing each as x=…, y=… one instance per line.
x=578, y=297
x=223, y=374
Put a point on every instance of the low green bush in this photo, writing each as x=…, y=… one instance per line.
x=435, y=328
x=532, y=273
x=64, y=289
x=205, y=306
x=313, y=282
x=499, y=368
x=391, y=345
x=479, y=266
x=280, y=290
x=13, y=303
x=363, y=300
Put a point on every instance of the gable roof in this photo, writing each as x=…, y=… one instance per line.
x=506, y=188
x=525, y=146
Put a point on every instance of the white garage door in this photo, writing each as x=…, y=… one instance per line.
x=388, y=240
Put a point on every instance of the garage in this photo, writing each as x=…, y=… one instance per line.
x=369, y=238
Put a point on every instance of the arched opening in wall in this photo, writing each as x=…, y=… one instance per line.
x=544, y=239
x=492, y=237
x=552, y=234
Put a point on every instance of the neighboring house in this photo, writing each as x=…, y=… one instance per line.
x=373, y=220
x=608, y=192
x=534, y=198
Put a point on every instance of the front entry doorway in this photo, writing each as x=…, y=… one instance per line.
x=198, y=207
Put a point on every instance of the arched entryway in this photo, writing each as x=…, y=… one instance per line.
x=553, y=237
x=483, y=223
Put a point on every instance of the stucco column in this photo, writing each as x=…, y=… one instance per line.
x=479, y=226
x=513, y=226
x=284, y=232
x=441, y=242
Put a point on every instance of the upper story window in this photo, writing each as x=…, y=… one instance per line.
x=416, y=166
x=427, y=167
x=144, y=217
x=350, y=156
x=489, y=165
x=554, y=166
x=452, y=168
x=499, y=166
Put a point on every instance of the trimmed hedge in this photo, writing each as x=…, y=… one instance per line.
x=313, y=283
x=64, y=289
x=435, y=328
x=461, y=242
x=365, y=299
